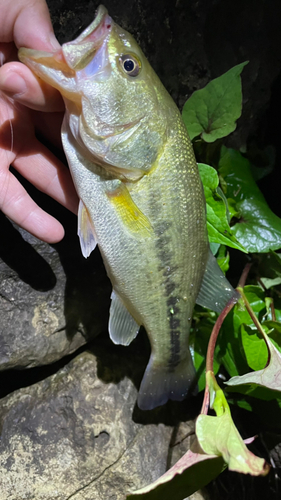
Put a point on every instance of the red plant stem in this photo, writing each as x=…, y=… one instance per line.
x=216, y=331
x=261, y=284
x=244, y=275
x=211, y=349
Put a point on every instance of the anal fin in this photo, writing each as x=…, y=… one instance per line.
x=85, y=231
x=215, y=289
x=122, y=326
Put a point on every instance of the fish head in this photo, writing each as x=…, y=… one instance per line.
x=116, y=106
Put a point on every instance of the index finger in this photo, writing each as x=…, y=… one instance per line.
x=28, y=24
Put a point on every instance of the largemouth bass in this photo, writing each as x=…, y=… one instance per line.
x=141, y=198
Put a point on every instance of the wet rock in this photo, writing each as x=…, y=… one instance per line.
x=52, y=300
x=72, y=435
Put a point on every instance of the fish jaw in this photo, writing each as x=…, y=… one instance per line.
x=65, y=68
x=79, y=52
x=53, y=69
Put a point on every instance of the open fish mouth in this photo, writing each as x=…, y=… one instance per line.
x=82, y=50
x=77, y=54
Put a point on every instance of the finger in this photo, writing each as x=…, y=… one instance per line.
x=48, y=174
x=19, y=83
x=28, y=24
x=19, y=207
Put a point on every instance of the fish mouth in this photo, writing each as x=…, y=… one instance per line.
x=79, y=52
x=74, y=55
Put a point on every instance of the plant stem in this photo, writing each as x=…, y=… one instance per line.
x=216, y=331
x=244, y=275
x=261, y=284
x=211, y=350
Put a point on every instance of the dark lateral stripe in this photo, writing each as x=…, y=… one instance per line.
x=166, y=258
x=171, y=302
x=170, y=287
x=174, y=323
x=174, y=358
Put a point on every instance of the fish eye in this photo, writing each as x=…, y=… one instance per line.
x=130, y=64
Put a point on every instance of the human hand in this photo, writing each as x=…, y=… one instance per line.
x=27, y=104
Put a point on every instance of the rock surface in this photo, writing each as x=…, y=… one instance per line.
x=51, y=299
x=73, y=436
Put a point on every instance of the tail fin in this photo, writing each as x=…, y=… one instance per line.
x=159, y=383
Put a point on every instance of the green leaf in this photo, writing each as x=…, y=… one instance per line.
x=259, y=229
x=254, y=347
x=269, y=267
x=219, y=436
x=223, y=259
x=271, y=282
x=189, y=474
x=212, y=112
x=217, y=222
x=232, y=353
x=269, y=377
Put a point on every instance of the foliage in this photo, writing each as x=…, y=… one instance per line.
x=217, y=209
x=249, y=345
x=212, y=112
x=257, y=228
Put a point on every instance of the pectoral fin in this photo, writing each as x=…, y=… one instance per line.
x=122, y=326
x=215, y=289
x=129, y=213
x=86, y=230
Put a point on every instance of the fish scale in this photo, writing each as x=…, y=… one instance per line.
x=141, y=197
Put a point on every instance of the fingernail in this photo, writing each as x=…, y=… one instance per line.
x=13, y=84
x=53, y=41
